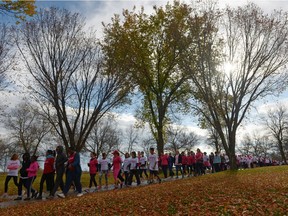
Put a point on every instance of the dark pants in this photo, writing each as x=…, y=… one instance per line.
x=199, y=168
x=164, y=169
x=171, y=173
x=49, y=178
x=143, y=171
x=7, y=181
x=119, y=176
x=179, y=168
x=22, y=182
x=126, y=173
x=189, y=169
x=73, y=176
x=29, y=187
x=217, y=167
x=58, y=182
x=132, y=173
x=184, y=168
x=92, y=180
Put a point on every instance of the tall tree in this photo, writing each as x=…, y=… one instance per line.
x=277, y=123
x=148, y=48
x=71, y=79
x=241, y=59
x=6, y=53
x=18, y=8
x=28, y=128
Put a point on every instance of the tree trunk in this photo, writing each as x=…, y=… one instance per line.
x=281, y=149
x=231, y=154
x=160, y=141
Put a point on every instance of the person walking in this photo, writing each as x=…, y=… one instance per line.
x=164, y=163
x=23, y=174
x=143, y=165
x=73, y=173
x=48, y=173
x=170, y=165
x=178, y=164
x=117, y=163
x=13, y=165
x=199, y=162
x=126, y=168
x=133, y=169
x=153, y=166
x=32, y=174
x=104, y=163
x=60, y=161
x=93, y=164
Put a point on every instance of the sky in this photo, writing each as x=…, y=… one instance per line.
x=97, y=12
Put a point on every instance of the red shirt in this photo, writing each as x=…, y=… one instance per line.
x=189, y=160
x=164, y=160
x=49, y=165
x=184, y=160
x=93, y=166
x=199, y=157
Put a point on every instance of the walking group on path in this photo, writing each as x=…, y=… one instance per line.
x=133, y=165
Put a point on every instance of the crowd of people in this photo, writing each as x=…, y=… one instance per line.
x=124, y=170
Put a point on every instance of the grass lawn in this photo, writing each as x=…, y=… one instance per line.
x=260, y=191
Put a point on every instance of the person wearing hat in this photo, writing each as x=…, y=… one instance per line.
x=117, y=163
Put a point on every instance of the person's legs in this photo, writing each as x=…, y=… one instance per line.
x=69, y=179
x=50, y=181
x=77, y=181
x=126, y=173
x=130, y=178
x=43, y=179
x=58, y=180
x=106, y=178
x=100, y=178
x=6, y=183
x=120, y=176
x=137, y=177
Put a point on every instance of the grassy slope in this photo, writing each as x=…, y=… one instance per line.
x=261, y=191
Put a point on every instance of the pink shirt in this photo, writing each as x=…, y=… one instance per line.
x=117, y=161
x=33, y=168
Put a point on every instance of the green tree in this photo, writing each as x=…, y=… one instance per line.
x=19, y=8
x=239, y=63
x=148, y=48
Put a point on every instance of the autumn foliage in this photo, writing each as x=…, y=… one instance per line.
x=260, y=191
x=19, y=8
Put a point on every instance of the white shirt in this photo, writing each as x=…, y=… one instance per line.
x=153, y=162
x=143, y=162
x=104, y=163
x=14, y=166
x=133, y=162
x=126, y=163
x=177, y=159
